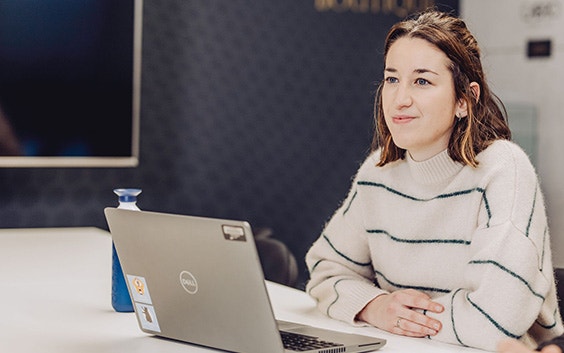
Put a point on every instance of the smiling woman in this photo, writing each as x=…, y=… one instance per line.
x=418, y=97
x=444, y=231
x=480, y=114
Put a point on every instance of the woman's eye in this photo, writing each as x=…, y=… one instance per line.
x=391, y=80
x=422, y=82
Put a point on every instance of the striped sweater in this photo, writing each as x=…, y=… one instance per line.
x=475, y=239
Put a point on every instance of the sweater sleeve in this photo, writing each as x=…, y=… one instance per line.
x=508, y=286
x=339, y=263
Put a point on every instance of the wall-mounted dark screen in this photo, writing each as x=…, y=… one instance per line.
x=69, y=82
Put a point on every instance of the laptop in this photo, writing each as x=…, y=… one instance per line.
x=199, y=280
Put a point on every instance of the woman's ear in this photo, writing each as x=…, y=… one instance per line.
x=475, y=88
x=462, y=108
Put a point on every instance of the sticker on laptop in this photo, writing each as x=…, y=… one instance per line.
x=139, y=289
x=234, y=233
x=147, y=317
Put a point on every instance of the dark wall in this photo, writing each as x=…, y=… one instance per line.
x=257, y=110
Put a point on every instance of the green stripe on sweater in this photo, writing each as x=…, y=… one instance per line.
x=350, y=203
x=551, y=326
x=490, y=319
x=419, y=241
x=532, y=212
x=505, y=269
x=421, y=288
x=438, y=197
x=345, y=256
x=452, y=317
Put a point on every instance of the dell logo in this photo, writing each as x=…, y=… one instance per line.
x=188, y=282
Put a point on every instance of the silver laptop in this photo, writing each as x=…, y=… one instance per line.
x=199, y=280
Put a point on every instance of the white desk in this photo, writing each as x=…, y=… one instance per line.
x=55, y=295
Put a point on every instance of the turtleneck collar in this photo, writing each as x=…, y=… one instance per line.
x=434, y=170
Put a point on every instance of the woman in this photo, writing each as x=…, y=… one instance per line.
x=443, y=233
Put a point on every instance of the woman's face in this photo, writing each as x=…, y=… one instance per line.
x=418, y=97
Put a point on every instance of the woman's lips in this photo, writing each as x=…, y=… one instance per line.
x=402, y=119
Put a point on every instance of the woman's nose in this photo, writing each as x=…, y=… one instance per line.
x=403, y=96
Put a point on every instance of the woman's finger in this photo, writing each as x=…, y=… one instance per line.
x=409, y=328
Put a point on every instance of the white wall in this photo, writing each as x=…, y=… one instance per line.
x=503, y=28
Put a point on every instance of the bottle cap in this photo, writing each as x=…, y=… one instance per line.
x=127, y=194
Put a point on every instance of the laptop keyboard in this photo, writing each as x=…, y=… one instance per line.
x=302, y=343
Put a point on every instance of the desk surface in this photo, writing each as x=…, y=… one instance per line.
x=55, y=292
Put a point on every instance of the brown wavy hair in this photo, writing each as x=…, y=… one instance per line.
x=487, y=117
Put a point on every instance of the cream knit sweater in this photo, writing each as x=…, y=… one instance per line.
x=475, y=239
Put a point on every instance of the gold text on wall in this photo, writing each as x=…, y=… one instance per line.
x=400, y=8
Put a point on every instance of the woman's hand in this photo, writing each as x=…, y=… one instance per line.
x=514, y=346
x=400, y=312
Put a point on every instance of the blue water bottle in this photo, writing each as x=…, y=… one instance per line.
x=120, y=296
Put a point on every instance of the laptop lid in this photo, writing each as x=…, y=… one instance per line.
x=199, y=280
